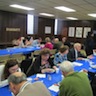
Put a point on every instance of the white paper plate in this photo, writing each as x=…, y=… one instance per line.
x=51, y=71
x=93, y=66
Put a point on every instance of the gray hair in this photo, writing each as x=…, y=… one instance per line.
x=47, y=39
x=17, y=79
x=77, y=44
x=56, y=40
x=66, y=66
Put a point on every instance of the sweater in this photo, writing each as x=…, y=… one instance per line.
x=75, y=84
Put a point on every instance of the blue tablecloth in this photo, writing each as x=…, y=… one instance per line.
x=55, y=78
x=10, y=51
x=86, y=65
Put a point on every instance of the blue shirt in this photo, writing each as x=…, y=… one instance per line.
x=59, y=58
x=35, y=43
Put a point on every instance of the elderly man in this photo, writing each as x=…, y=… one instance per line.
x=74, y=83
x=20, y=87
x=74, y=53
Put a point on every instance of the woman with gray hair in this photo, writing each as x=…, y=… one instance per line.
x=74, y=83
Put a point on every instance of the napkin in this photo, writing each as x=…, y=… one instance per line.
x=54, y=88
x=41, y=75
x=77, y=64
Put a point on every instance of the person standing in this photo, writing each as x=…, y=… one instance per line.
x=66, y=42
x=89, y=44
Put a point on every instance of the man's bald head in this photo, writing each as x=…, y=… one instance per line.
x=18, y=74
x=17, y=78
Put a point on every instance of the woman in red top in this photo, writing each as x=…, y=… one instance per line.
x=48, y=43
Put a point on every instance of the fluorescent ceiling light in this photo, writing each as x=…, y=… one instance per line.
x=46, y=14
x=92, y=15
x=72, y=18
x=66, y=9
x=21, y=7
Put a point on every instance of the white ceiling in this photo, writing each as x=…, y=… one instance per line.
x=82, y=7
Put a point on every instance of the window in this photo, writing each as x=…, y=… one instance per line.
x=56, y=26
x=30, y=24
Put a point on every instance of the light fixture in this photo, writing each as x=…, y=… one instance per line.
x=46, y=14
x=72, y=18
x=21, y=7
x=92, y=14
x=66, y=9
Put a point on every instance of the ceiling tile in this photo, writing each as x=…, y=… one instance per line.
x=82, y=7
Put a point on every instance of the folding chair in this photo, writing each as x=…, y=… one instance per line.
x=19, y=57
x=4, y=58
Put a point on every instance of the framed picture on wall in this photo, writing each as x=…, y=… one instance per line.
x=86, y=30
x=79, y=32
x=71, y=31
x=47, y=30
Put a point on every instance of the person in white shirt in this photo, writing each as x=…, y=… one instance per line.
x=10, y=67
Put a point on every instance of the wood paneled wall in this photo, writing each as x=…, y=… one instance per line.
x=39, y=27
x=17, y=20
x=63, y=31
x=63, y=27
x=12, y=20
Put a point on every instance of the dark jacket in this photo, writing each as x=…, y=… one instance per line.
x=37, y=64
x=89, y=44
x=67, y=43
x=72, y=55
x=57, y=45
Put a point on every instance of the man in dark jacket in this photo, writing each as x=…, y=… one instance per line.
x=74, y=53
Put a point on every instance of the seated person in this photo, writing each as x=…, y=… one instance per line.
x=82, y=51
x=37, y=42
x=14, y=43
x=74, y=53
x=48, y=44
x=94, y=50
x=28, y=41
x=43, y=63
x=10, y=67
x=20, y=42
x=57, y=44
x=74, y=83
x=61, y=55
x=66, y=42
x=52, y=39
x=20, y=87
